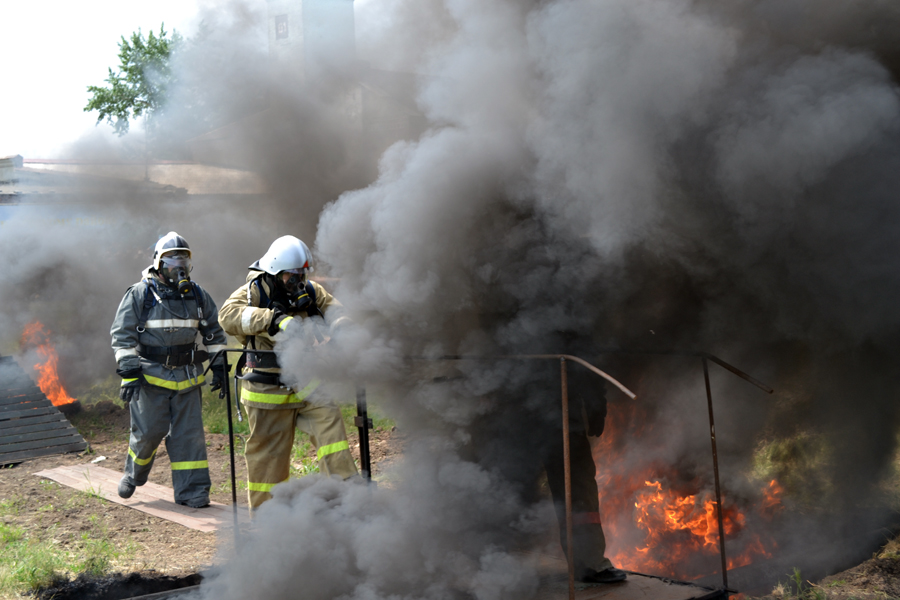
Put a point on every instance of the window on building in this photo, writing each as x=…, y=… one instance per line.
x=281, y=27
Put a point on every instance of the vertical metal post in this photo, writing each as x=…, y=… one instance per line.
x=226, y=393
x=567, y=464
x=715, y=454
x=363, y=424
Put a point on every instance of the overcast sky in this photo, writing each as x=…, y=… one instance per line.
x=52, y=50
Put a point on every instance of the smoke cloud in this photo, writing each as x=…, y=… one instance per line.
x=634, y=174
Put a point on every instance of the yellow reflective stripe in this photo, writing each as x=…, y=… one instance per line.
x=216, y=348
x=174, y=385
x=188, y=465
x=332, y=448
x=124, y=381
x=250, y=396
x=284, y=322
x=261, y=487
x=140, y=461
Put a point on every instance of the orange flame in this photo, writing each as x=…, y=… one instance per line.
x=657, y=523
x=34, y=335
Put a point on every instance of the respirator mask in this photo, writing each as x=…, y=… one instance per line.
x=175, y=267
x=293, y=282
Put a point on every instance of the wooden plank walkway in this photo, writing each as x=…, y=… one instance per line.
x=151, y=498
x=30, y=426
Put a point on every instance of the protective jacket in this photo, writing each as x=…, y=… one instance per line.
x=247, y=315
x=165, y=332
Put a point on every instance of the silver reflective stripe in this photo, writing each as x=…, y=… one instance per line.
x=123, y=352
x=245, y=319
x=340, y=320
x=168, y=323
x=215, y=348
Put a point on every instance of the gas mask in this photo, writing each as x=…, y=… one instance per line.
x=175, y=268
x=293, y=282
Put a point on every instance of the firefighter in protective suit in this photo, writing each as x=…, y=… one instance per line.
x=587, y=397
x=154, y=336
x=276, y=296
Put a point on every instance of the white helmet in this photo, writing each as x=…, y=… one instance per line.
x=169, y=243
x=287, y=253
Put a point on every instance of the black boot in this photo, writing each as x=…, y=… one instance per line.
x=126, y=487
x=610, y=575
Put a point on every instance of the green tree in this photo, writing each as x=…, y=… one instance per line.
x=140, y=87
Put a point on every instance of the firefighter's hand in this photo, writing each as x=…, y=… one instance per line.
x=279, y=322
x=218, y=378
x=131, y=385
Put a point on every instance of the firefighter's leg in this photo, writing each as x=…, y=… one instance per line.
x=588, y=541
x=186, y=446
x=268, y=451
x=149, y=425
x=326, y=430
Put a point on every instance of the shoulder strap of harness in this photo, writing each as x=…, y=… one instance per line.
x=150, y=301
x=198, y=298
x=313, y=310
x=263, y=303
x=263, y=296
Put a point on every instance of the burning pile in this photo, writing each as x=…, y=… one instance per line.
x=36, y=337
x=657, y=522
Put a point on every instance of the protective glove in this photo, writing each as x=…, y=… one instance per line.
x=131, y=384
x=218, y=377
x=279, y=321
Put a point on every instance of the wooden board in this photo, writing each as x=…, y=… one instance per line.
x=151, y=498
x=30, y=426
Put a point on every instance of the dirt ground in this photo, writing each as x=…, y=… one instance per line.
x=151, y=545
x=45, y=508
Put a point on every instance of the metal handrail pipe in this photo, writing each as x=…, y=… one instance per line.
x=580, y=361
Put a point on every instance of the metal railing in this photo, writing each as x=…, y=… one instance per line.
x=364, y=423
x=564, y=358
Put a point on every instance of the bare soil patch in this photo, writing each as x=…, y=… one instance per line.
x=150, y=545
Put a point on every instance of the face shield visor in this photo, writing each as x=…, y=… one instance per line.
x=293, y=281
x=175, y=267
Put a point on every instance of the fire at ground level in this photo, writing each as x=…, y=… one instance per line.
x=153, y=539
x=657, y=521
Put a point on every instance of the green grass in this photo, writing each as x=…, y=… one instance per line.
x=107, y=389
x=301, y=463
x=800, y=463
x=30, y=562
x=215, y=414
x=379, y=421
x=27, y=564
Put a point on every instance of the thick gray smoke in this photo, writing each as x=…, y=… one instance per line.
x=639, y=174
x=652, y=176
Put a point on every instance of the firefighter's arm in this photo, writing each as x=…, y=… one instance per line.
x=241, y=318
x=124, y=330
x=213, y=336
x=333, y=311
x=125, y=341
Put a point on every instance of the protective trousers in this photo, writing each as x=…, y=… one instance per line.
x=588, y=541
x=268, y=450
x=159, y=413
